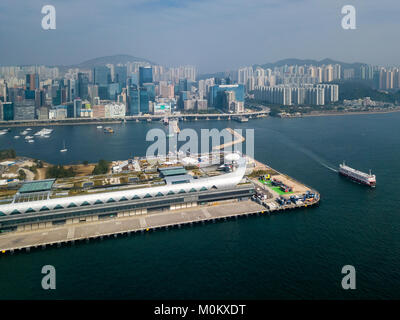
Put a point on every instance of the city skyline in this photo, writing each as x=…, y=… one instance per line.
x=150, y=29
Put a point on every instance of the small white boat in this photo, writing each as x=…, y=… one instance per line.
x=43, y=132
x=64, y=149
x=28, y=129
x=28, y=137
x=16, y=137
x=99, y=127
x=31, y=141
x=23, y=132
x=3, y=132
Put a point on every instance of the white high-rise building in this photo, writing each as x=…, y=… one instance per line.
x=244, y=74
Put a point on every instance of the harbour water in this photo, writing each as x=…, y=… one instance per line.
x=293, y=255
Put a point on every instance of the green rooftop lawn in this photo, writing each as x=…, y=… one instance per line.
x=276, y=189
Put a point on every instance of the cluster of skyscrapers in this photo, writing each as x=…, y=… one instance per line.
x=320, y=94
x=288, y=75
x=140, y=88
x=112, y=91
x=389, y=78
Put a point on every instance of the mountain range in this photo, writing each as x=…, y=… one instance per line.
x=124, y=58
x=294, y=61
x=101, y=61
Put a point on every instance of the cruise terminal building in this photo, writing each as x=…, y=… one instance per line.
x=33, y=208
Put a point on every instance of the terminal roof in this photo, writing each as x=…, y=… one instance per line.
x=37, y=186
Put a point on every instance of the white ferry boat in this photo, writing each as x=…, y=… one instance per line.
x=368, y=179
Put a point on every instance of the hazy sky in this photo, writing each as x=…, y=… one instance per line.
x=214, y=35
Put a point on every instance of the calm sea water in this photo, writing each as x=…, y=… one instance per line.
x=292, y=255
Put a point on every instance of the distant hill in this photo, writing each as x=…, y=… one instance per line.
x=294, y=61
x=355, y=89
x=114, y=59
x=290, y=61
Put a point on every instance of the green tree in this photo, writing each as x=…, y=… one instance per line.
x=58, y=171
x=21, y=174
x=101, y=167
x=7, y=153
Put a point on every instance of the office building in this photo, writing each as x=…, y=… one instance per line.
x=24, y=110
x=101, y=76
x=82, y=85
x=32, y=82
x=77, y=107
x=120, y=76
x=6, y=111
x=216, y=95
x=145, y=75
x=143, y=100
x=134, y=107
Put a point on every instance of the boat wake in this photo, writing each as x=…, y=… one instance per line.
x=328, y=167
x=307, y=152
x=315, y=157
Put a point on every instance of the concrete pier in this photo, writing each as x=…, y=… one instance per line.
x=25, y=240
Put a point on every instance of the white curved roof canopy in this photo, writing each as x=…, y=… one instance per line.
x=220, y=182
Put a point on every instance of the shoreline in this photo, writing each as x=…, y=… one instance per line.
x=41, y=123
x=345, y=113
x=148, y=118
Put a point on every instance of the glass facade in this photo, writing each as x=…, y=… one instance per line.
x=103, y=92
x=216, y=94
x=144, y=100
x=145, y=75
x=133, y=101
x=134, y=80
x=113, y=91
x=102, y=75
x=120, y=75
x=82, y=86
x=151, y=91
x=7, y=111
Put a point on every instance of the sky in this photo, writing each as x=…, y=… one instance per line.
x=214, y=35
